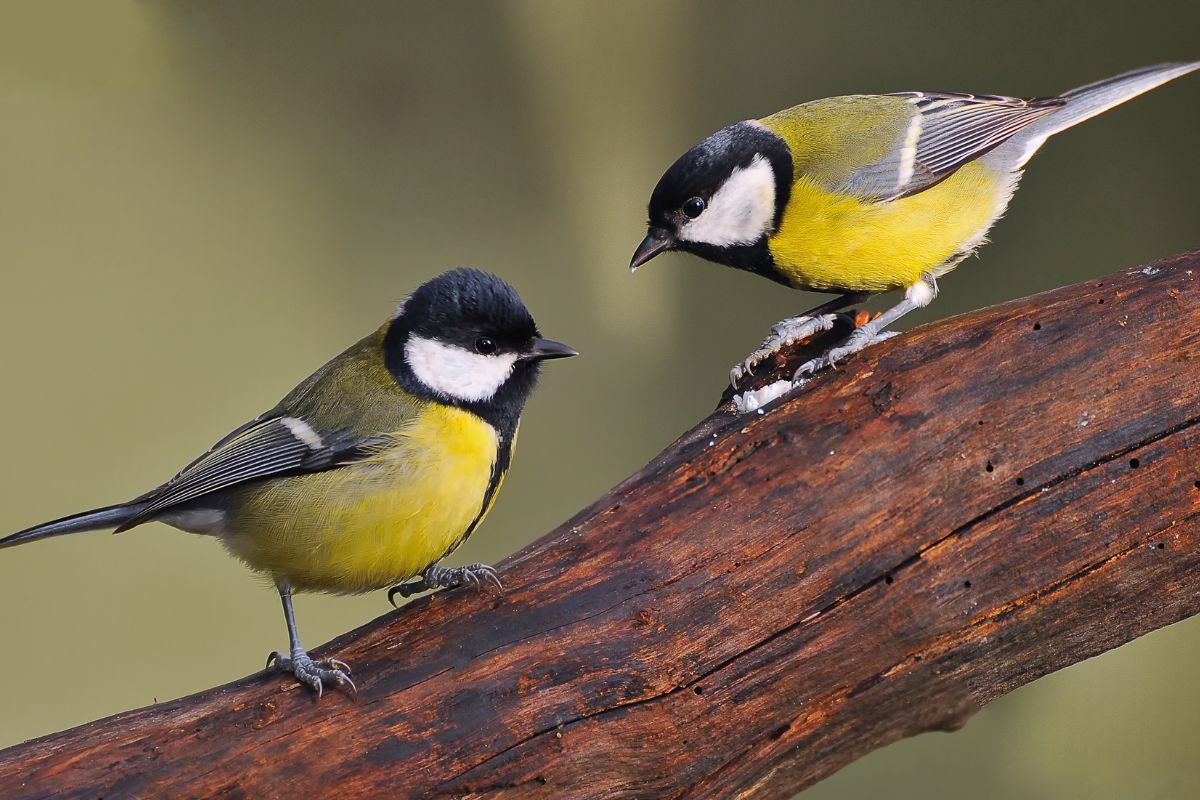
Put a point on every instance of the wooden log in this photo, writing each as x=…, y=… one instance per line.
x=947, y=517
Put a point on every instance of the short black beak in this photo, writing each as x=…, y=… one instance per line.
x=657, y=241
x=545, y=348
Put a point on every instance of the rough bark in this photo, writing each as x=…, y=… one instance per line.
x=947, y=517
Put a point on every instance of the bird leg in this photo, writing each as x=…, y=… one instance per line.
x=312, y=674
x=439, y=577
x=919, y=295
x=792, y=330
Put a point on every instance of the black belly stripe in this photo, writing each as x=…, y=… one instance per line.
x=499, y=468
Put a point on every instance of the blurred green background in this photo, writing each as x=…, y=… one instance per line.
x=201, y=202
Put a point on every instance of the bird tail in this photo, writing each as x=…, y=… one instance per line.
x=1088, y=101
x=96, y=519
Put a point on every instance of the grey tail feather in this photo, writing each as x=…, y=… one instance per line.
x=96, y=519
x=1088, y=101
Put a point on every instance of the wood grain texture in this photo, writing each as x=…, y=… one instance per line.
x=947, y=517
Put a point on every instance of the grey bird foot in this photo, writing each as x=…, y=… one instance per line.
x=861, y=339
x=437, y=577
x=314, y=674
x=783, y=333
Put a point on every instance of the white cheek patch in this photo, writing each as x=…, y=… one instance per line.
x=457, y=372
x=741, y=211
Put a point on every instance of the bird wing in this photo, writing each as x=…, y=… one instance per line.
x=944, y=131
x=272, y=444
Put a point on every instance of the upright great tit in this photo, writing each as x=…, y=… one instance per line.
x=862, y=194
x=374, y=468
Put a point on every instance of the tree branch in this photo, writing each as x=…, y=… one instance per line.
x=947, y=517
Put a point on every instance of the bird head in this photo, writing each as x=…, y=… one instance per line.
x=722, y=199
x=465, y=338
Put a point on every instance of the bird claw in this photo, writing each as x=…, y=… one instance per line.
x=859, y=340
x=783, y=333
x=743, y=369
x=314, y=674
x=438, y=577
x=491, y=577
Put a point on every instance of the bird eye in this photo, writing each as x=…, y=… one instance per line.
x=485, y=346
x=694, y=207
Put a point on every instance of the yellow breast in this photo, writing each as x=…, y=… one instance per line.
x=376, y=522
x=833, y=241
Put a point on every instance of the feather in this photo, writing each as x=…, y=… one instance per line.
x=950, y=130
x=266, y=446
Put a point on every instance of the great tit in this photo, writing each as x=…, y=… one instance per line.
x=373, y=469
x=862, y=194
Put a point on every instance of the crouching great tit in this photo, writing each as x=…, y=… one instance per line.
x=862, y=194
x=374, y=468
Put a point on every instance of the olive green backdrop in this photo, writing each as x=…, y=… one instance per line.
x=201, y=202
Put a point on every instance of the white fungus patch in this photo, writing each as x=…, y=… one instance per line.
x=754, y=400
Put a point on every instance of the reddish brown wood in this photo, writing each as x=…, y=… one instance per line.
x=949, y=516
